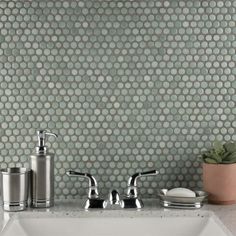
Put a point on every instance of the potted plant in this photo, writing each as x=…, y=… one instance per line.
x=219, y=173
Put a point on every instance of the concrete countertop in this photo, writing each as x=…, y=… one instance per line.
x=227, y=214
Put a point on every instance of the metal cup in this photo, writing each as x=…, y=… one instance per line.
x=15, y=188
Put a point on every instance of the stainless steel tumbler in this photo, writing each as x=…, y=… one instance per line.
x=15, y=188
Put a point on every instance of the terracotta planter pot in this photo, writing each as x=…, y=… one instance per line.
x=219, y=180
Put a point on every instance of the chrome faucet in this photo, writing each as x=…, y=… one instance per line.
x=131, y=199
x=93, y=200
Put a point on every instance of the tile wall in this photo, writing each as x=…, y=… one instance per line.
x=127, y=85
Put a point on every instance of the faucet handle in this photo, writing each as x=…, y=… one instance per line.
x=150, y=172
x=93, y=191
x=131, y=199
x=93, y=201
x=133, y=179
x=132, y=182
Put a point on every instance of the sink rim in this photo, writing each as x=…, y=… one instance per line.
x=116, y=214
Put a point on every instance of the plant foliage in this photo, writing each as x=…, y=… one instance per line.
x=220, y=153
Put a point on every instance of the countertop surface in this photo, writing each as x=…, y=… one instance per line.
x=226, y=213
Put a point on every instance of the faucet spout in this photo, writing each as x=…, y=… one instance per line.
x=114, y=197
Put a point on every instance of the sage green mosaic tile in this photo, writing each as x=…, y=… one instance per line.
x=128, y=86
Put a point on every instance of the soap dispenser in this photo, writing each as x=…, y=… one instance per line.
x=42, y=173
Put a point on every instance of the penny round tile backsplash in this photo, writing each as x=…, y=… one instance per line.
x=128, y=86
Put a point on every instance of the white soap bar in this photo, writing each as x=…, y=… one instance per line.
x=180, y=192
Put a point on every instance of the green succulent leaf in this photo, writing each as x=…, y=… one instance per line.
x=230, y=147
x=218, y=147
x=220, y=154
x=210, y=161
x=231, y=161
x=226, y=156
x=212, y=154
x=232, y=156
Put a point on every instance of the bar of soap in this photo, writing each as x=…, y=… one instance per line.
x=180, y=192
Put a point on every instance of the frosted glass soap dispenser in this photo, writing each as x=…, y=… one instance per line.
x=42, y=173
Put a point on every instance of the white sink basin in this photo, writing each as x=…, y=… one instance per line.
x=134, y=224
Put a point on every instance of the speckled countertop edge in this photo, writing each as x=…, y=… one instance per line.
x=73, y=208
